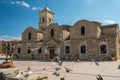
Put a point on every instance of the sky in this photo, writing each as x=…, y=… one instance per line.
x=17, y=15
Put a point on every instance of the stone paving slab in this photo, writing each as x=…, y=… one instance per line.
x=9, y=74
x=80, y=70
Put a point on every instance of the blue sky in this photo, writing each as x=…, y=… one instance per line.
x=17, y=15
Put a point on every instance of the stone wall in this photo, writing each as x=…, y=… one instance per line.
x=91, y=30
x=57, y=32
x=25, y=35
x=66, y=34
x=95, y=35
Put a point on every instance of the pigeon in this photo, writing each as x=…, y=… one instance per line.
x=28, y=68
x=29, y=72
x=78, y=60
x=60, y=63
x=19, y=76
x=56, y=73
x=96, y=63
x=17, y=71
x=57, y=68
x=67, y=69
x=56, y=61
x=99, y=77
x=44, y=69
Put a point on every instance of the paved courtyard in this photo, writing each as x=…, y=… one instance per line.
x=80, y=70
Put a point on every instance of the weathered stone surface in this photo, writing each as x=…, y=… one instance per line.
x=95, y=35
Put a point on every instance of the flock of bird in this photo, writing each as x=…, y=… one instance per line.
x=19, y=75
x=58, y=66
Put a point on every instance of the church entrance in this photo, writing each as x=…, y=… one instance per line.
x=52, y=54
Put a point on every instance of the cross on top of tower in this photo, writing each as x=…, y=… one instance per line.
x=46, y=17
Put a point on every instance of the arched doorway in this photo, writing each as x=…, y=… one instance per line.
x=52, y=53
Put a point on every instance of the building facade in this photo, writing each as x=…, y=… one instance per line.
x=9, y=47
x=1, y=47
x=85, y=40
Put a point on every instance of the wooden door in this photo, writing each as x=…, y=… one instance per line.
x=52, y=53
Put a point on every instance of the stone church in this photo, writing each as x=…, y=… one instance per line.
x=84, y=40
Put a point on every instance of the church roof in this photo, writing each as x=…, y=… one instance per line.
x=110, y=25
x=47, y=9
x=12, y=41
x=35, y=29
x=38, y=30
x=96, y=22
x=66, y=27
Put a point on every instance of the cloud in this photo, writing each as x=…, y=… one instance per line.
x=108, y=22
x=22, y=3
x=35, y=8
x=12, y=2
x=6, y=38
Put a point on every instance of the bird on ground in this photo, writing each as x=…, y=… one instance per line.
x=57, y=68
x=99, y=77
x=57, y=58
x=17, y=71
x=29, y=72
x=19, y=76
x=56, y=73
x=60, y=63
x=77, y=60
x=44, y=69
x=56, y=61
x=97, y=63
x=67, y=69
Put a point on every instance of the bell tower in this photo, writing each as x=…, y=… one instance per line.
x=46, y=17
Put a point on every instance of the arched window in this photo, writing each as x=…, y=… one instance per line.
x=103, y=49
x=43, y=19
x=67, y=49
x=82, y=30
x=39, y=50
x=28, y=50
x=52, y=32
x=83, y=49
x=29, y=36
x=50, y=20
x=19, y=50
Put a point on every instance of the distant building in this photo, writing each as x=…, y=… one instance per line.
x=8, y=47
x=85, y=40
x=1, y=42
